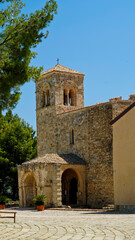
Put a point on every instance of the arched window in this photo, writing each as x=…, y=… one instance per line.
x=65, y=97
x=71, y=98
x=44, y=97
x=71, y=136
x=47, y=98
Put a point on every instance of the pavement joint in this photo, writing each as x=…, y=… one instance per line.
x=68, y=225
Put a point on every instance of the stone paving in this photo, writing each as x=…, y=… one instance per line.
x=68, y=225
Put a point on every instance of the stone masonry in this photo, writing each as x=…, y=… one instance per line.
x=66, y=128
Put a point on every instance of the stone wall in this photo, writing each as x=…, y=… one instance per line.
x=92, y=142
x=44, y=177
x=100, y=191
x=64, y=126
x=99, y=168
x=56, y=83
x=46, y=130
x=76, y=121
x=90, y=127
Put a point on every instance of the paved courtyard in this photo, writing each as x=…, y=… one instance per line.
x=64, y=225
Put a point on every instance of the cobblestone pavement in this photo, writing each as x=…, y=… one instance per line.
x=64, y=225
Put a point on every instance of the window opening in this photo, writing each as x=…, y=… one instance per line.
x=72, y=136
x=47, y=98
x=44, y=97
x=71, y=98
x=65, y=97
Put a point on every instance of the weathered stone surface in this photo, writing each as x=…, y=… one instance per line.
x=65, y=126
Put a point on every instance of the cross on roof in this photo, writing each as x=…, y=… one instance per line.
x=58, y=61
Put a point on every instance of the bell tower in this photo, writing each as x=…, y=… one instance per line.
x=60, y=89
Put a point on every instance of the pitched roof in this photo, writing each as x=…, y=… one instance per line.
x=123, y=113
x=57, y=158
x=60, y=68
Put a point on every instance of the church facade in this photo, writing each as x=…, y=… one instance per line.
x=75, y=158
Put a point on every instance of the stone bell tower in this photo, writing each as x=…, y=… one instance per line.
x=59, y=90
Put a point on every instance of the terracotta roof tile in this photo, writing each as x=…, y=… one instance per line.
x=57, y=158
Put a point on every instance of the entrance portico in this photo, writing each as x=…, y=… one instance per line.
x=60, y=177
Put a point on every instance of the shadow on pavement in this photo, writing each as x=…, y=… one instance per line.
x=108, y=212
x=82, y=211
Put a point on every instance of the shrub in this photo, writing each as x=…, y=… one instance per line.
x=3, y=199
x=40, y=200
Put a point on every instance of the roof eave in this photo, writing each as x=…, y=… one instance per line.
x=57, y=71
x=122, y=114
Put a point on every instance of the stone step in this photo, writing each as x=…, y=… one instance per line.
x=109, y=207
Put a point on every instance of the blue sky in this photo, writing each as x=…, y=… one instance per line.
x=95, y=37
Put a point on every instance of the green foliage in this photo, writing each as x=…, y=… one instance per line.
x=3, y=199
x=40, y=200
x=19, y=33
x=17, y=145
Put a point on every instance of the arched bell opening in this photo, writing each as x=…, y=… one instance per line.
x=30, y=190
x=71, y=97
x=69, y=187
x=46, y=98
x=65, y=97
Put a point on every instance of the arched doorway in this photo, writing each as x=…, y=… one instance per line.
x=30, y=189
x=69, y=187
x=73, y=191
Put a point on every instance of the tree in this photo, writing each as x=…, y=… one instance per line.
x=19, y=33
x=17, y=145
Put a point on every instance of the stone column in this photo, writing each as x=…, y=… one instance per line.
x=57, y=186
x=20, y=196
x=68, y=97
x=24, y=197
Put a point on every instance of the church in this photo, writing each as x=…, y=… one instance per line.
x=74, y=165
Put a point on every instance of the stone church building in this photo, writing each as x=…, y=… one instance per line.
x=75, y=160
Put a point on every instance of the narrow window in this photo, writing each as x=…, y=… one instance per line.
x=71, y=136
x=47, y=98
x=44, y=97
x=71, y=98
x=65, y=99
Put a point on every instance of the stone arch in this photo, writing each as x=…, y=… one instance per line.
x=69, y=84
x=69, y=93
x=70, y=186
x=29, y=189
x=45, y=94
x=45, y=86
